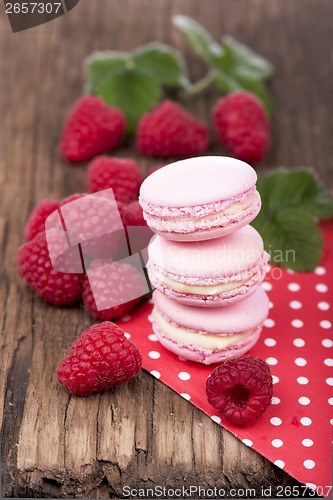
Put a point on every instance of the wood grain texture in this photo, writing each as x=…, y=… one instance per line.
x=141, y=434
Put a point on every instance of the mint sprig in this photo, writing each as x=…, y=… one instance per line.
x=232, y=65
x=133, y=81
x=293, y=201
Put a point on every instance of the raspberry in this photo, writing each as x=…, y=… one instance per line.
x=111, y=282
x=132, y=214
x=37, y=218
x=94, y=222
x=72, y=197
x=120, y=174
x=242, y=125
x=101, y=358
x=168, y=130
x=35, y=267
x=92, y=128
x=240, y=389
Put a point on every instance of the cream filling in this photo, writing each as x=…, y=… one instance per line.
x=231, y=210
x=198, y=289
x=188, y=337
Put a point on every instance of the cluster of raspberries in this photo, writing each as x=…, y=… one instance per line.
x=239, y=120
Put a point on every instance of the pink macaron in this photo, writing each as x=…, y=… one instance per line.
x=209, y=335
x=208, y=273
x=200, y=198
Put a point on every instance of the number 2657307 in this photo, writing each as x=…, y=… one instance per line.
x=32, y=7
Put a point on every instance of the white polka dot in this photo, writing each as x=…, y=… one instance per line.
x=330, y=401
x=328, y=362
x=275, y=400
x=331, y=421
x=321, y=288
x=311, y=486
x=329, y=381
x=307, y=442
x=294, y=287
x=153, y=337
x=325, y=324
x=184, y=376
x=309, y=464
x=126, y=318
x=268, y=268
x=297, y=323
x=248, y=442
x=295, y=304
x=271, y=361
x=276, y=421
x=216, y=419
x=270, y=342
x=277, y=443
x=327, y=343
x=267, y=286
x=155, y=373
x=151, y=318
x=320, y=270
x=185, y=396
x=302, y=380
x=269, y=323
x=299, y=342
x=279, y=463
x=154, y=354
x=275, y=379
x=300, y=362
x=270, y=304
x=306, y=421
x=127, y=335
x=304, y=401
x=323, y=306
x=290, y=271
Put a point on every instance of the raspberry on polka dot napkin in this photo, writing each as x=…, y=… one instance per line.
x=295, y=432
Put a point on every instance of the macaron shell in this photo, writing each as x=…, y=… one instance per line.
x=205, y=356
x=197, y=262
x=196, y=181
x=238, y=317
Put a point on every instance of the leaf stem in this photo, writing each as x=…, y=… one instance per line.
x=200, y=85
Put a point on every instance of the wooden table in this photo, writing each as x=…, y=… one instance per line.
x=142, y=434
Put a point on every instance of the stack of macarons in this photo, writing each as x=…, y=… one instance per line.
x=205, y=261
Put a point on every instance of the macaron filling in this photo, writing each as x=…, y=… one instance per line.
x=187, y=219
x=226, y=286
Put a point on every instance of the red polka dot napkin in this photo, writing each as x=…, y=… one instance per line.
x=295, y=432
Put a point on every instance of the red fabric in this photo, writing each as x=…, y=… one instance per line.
x=301, y=443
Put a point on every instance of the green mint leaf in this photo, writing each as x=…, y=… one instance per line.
x=134, y=91
x=298, y=188
x=164, y=63
x=245, y=62
x=229, y=82
x=292, y=239
x=100, y=65
x=198, y=38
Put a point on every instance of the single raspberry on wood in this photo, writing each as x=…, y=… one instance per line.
x=120, y=174
x=101, y=358
x=169, y=130
x=37, y=218
x=111, y=282
x=35, y=267
x=92, y=128
x=240, y=389
x=242, y=125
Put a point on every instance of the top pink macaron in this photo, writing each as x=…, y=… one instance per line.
x=200, y=198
